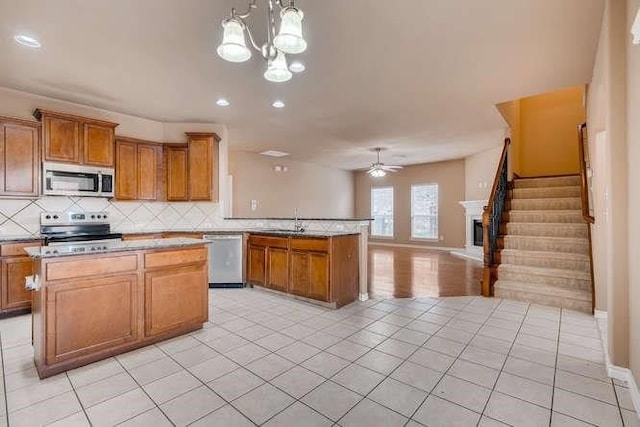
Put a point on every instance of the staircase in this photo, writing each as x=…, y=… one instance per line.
x=545, y=245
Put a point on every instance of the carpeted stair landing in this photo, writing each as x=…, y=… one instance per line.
x=545, y=259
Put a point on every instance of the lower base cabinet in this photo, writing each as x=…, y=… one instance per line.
x=324, y=269
x=174, y=298
x=90, y=307
x=15, y=265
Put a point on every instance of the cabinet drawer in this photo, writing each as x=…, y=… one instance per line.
x=174, y=257
x=86, y=267
x=317, y=245
x=186, y=235
x=17, y=249
x=272, y=242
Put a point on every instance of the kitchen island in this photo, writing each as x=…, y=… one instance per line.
x=95, y=301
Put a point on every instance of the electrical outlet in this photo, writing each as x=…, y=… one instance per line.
x=254, y=205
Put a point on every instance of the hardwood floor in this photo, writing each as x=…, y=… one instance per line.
x=408, y=272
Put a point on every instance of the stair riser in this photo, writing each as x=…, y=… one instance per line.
x=546, y=230
x=565, y=181
x=544, y=262
x=543, y=193
x=534, y=244
x=545, y=204
x=562, y=282
x=544, y=217
x=571, y=304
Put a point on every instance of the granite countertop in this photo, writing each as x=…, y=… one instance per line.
x=307, y=233
x=286, y=218
x=10, y=238
x=102, y=248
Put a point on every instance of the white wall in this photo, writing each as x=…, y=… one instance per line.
x=314, y=190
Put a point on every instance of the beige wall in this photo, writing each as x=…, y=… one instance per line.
x=544, y=132
x=450, y=177
x=316, y=191
x=613, y=119
x=633, y=183
x=480, y=172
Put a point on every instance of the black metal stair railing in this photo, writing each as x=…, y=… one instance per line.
x=491, y=220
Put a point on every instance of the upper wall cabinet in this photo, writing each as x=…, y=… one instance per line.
x=72, y=139
x=191, y=170
x=19, y=157
x=203, y=166
x=138, y=166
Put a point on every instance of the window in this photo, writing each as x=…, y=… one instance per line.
x=424, y=211
x=382, y=211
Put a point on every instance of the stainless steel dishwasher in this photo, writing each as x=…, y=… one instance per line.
x=225, y=260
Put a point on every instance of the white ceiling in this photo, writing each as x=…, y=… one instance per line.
x=420, y=77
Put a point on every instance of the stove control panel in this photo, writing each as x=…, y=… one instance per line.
x=73, y=218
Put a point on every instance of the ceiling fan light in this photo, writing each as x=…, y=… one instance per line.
x=289, y=39
x=234, y=46
x=377, y=173
x=277, y=70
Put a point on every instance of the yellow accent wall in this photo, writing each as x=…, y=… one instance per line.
x=544, y=132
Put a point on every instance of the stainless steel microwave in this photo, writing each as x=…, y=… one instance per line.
x=61, y=179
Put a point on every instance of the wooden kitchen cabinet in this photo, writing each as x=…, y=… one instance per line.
x=190, y=170
x=203, y=155
x=79, y=323
x=176, y=169
x=72, y=139
x=163, y=288
x=15, y=265
x=138, y=165
x=324, y=269
x=19, y=158
x=91, y=307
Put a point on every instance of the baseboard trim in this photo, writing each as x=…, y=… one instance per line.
x=617, y=372
x=363, y=297
x=414, y=246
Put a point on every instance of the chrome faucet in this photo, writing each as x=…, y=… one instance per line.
x=296, y=224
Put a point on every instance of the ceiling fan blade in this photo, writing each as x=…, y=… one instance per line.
x=391, y=168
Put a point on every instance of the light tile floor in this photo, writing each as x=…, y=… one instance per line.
x=268, y=360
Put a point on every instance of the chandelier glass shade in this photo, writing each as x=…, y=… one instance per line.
x=234, y=46
x=288, y=40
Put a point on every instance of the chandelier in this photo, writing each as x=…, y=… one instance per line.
x=288, y=40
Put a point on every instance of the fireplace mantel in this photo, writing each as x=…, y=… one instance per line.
x=472, y=211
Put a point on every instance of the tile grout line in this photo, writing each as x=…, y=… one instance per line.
x=73, y=388
x=493, y=389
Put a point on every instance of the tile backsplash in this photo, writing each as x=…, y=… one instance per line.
x=21, y=217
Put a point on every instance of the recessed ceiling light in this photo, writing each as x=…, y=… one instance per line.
x=297, y=67
x=222, y=102
x=274, y=153
x=278, y=104
x=26, y=40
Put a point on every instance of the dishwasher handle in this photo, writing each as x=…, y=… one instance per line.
x=222, y=237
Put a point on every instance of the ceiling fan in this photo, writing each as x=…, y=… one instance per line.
x=378, y=169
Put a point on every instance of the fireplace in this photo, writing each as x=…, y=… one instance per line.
x=477, y=233
x=474, y=239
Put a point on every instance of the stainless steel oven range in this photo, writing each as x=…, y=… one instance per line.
x=76, y=232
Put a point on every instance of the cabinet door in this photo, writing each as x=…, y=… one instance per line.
x=61, y=140
x=147, y=171
x=278, y=269
x=319, y=276
x=175, y=299
x=14, y=270
x=256, y=263
x=91, y=315
x=126, y=171
x=98, y=145
x=200, y=167
x=299, y=280
x=176, y=173
x=19, y=160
